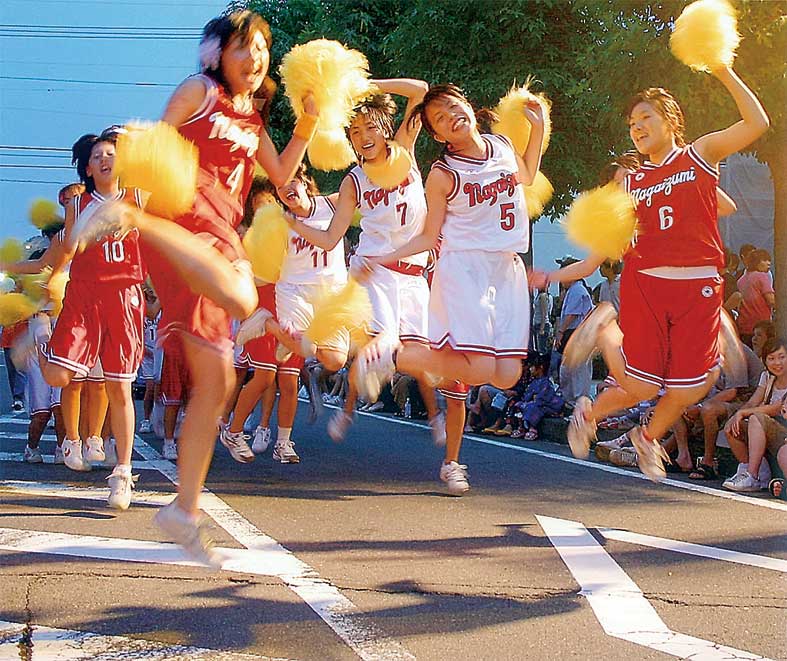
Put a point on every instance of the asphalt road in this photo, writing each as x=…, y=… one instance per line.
x=359, y=552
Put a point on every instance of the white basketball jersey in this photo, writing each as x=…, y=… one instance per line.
x=486, y=207
x=390, y=218
x=305, y=264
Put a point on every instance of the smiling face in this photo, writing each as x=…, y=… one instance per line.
x=649, y=130
x=101, y=164
x=451, y=119
x=244, y=63
x=367, y=138
x=776, y=362
x=294, y=194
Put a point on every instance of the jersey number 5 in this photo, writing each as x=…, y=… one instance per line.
x=507, y=218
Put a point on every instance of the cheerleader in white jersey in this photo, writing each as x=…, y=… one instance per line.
x=478, y=310
x=390, y=218
x=307, y=273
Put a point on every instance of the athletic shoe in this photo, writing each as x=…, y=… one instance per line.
x=581, y=430
x=373, y=408
x=743, y=482
x=33, y=455
x=72, y=456
x=316, y=405
x=145, y=427
x=284, y=452
x=375, y=366
x=582, y=342
x=338, y=425
x=437, y=424
x=623, y=457
x=170, y=451
x=120, y=485
x=18, y=406
x=455, y=477
x=650, y=455
x=603, y=448
x=237, y=445
x=262, y=440
x=59, y=458
x=192, y=535
x=94, y=452
x=253, y=327
x=111, y=452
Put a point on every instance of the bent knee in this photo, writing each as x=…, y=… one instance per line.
x=57, y=377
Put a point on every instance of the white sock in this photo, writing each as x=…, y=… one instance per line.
x=284, y=434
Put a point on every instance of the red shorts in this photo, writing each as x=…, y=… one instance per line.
x=183, y=311
x=99, y=320
x=453, y=389
x=175, y=379
x=670, y=328
x=260, y=353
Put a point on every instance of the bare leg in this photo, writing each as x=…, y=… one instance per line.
x=507, y=372
x=98, y=405
x=35, y=429
x=676, y=400
x=757, y=443
x=454, y=427
x=147, y=402
x=616, y=398
x=122, y=418
x=69, y=406
x=681, y=434
x=60, y=429
x=248, y=398
x=473, y=369
x=268, y=400
x=288, y=400
x=710, y=414
x=240, y=377
x=171, y=420
x=429, y=397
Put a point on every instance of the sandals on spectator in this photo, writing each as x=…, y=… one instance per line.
x=530, y=435
x=776, y=487
x=704, y=472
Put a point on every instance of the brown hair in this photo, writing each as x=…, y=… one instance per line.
x=484, y=116
x=665, y=105
x=379, y=109
x=628, y=160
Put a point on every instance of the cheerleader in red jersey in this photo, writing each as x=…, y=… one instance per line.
x=102, y=315
x=478, y=307
x=197, y=263
x=671, y=289
x=389, y=219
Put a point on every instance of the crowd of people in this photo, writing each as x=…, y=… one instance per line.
x=174, y=302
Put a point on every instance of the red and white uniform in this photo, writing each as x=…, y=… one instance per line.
x=227, y=140
x=479, y=301
x=389, y=219
x=670, y=290
x=103, y=309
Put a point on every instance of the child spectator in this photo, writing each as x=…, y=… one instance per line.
x=539, y=399
x=758, y=297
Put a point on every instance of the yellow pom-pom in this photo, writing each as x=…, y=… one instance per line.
x=11, y=250
x=34, y=285
x=602, y=221
x=706, y=35
x=330, y=150
x=514, y=125
x=355, y=221
x=16, y=307
x=393, y=171
x=338, y=78
x=57, y=290
x=266, y=242
x=538, y=194
x=44, y=213
x=159, y=160
x=348, y=308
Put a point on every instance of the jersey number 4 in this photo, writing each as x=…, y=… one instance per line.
x=235, y=179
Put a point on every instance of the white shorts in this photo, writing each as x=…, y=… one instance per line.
x=41, y=397
x=480, y=304
x=295, y=310
x=158, y=362
x=96, y=374
x=147, y=368
x=399, y=304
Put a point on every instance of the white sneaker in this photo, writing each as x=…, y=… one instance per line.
x=94, y=453
x=582, y=342
x=253, y=327
x=18, y=406
x=603, y=448
x=237, y=445
x=650, y=455
x=375, y=366
x=59, y=458
x=284, y=452
x=33, y=455
x=262, y=440
x=170, y=451
x=145, y=427
x=743, y=482
x=72, y=456
x=191, y=535
x=120, y=485
x=455, y=477
x=338, y=425
x=581, y=430
x=110, y=452
x=437, y=423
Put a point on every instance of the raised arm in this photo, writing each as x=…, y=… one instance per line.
x=51, y=257
x=716, y=146
x=345, y=208
x=414, y=90
x=530, y=161
x=576, y=271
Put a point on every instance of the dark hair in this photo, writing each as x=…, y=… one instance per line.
x=615, y=264
x=258, y=185
x=768, y=325
x=50, y=231
x=536, y=359
x=665, y=105
x=80, y=154
x=772, y=345
x=380, y=110
x=484, y=116
x=745, y=249
x=757, y=256
x=628, y=160
x=241, y=24
x=302, y=174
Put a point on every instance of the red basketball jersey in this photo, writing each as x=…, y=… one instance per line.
x=111, y=259
x=677, y=212
x=227, y=141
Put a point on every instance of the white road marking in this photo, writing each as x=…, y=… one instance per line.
x=70, y=645
x=617, y=601
x=18, y=457
x=58, y=490
x=700, y=550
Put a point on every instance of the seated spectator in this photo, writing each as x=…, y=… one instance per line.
x=768, y=399
x=481, y=412
x=758, y=297
x=767, y=434
x=501, y=406
x=539, y=399
x=763, y=331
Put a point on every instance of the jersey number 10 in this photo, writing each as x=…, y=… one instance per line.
x=114, y=251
